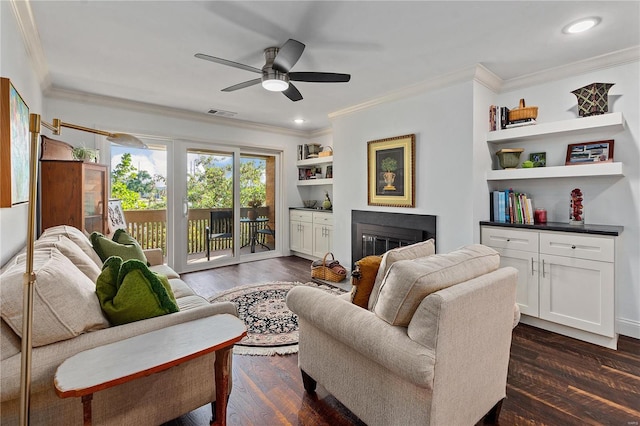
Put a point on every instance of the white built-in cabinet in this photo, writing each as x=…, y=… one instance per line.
x=301, y=231
x=310, y=232
x=322, y=233
x=566, y=280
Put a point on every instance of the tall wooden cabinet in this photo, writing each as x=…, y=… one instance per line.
x=74, y=193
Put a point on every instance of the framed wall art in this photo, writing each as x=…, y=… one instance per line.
x=391, y=171
x=14, y=149
x=590, y=152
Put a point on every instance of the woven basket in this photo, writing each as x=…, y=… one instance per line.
x=522, y=112
x=324, y=273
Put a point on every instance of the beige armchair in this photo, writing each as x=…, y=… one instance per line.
x=433, y=350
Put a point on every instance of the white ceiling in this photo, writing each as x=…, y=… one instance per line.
x=144, y=50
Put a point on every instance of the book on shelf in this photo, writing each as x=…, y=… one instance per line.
x=520, y=123
x=509, y=206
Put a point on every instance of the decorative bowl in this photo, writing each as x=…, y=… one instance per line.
x=309, y=203
x=509, y=158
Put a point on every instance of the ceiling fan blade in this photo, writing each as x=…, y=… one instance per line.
x=319, y=77
x=228, y=63
x=242, y=85
x=293, y=93
x=288, y=55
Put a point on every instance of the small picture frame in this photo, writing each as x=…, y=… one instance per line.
x=590, y=152
x=539, y=159
x=329, y=174
x=116, y=216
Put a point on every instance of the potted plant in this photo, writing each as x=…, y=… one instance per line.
x=252, y=214
x=389, y=165
x=85, y=154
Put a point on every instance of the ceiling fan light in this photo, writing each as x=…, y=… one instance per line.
x=275, y=85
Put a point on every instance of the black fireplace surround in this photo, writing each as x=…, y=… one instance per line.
x=373, y=233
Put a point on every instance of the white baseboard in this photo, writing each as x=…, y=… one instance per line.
x=627, y=327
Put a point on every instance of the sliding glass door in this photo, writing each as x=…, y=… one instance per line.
x=228, y=213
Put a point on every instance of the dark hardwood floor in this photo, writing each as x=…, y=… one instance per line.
x=553, y=380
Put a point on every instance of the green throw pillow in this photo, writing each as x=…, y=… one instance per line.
x=128, y=291
x=122, y=245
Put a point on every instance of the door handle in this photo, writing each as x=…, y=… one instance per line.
x=543, y=271
x=532, y=271
x=185, y=207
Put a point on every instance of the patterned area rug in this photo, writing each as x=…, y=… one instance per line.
x=272, y=329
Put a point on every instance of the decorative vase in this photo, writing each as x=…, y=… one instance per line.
x=389, y=178
x=326, y=204
x=252, y=214
x=576, y=208
x=509, y=158
x=593, y=99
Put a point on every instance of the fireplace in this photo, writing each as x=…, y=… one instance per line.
x=374, y=233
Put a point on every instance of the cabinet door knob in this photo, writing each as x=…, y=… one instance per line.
x=573, y=247
x=508, y=239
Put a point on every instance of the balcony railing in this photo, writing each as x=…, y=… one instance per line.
x=149, y=228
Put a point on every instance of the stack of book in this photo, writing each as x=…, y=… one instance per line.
x=499, y=119
x=510, y=207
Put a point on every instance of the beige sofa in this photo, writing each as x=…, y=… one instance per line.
x=432, y=349
x=147, y=401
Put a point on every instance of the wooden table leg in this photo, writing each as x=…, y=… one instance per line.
x=86, y=409
x=222, y=370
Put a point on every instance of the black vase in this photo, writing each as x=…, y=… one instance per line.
x=593, y=99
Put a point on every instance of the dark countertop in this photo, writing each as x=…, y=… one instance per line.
x=563, y=227
x=315, y=209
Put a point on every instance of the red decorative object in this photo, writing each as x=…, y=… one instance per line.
x=540, y=216
x=576, y=210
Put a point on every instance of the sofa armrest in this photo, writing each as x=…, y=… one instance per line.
x=363, y=331
x=154, y=256
x=46, y=359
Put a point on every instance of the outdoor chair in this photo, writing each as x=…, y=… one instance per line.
x=263, y=233
x=220, y=228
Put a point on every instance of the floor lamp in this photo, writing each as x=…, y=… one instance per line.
x=35, y=124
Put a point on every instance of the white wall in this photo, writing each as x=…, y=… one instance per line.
x=15, y=65
x=608, y=200
x=442, y=121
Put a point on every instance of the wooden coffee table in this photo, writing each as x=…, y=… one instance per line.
x=120, y=362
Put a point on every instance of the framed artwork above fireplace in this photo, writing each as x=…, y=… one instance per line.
x=391, y=171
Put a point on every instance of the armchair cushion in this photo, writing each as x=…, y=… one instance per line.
x=122, y=245
x=128, y=291
x=363, y=279
x=64, y=300
x=413, y=251
x=408, y=282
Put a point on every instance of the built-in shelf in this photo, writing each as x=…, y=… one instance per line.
x=310, y=182
x=610, y=123
x=580, y=170
x=315, y=161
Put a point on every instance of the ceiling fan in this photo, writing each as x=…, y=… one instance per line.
x=276, y=75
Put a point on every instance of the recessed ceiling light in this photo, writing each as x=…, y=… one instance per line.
x=298, y=121
x=581, y=25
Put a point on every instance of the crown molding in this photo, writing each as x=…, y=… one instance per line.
x=31, y=38
x=608, y=60
x=486, y=77
x=108, y=101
